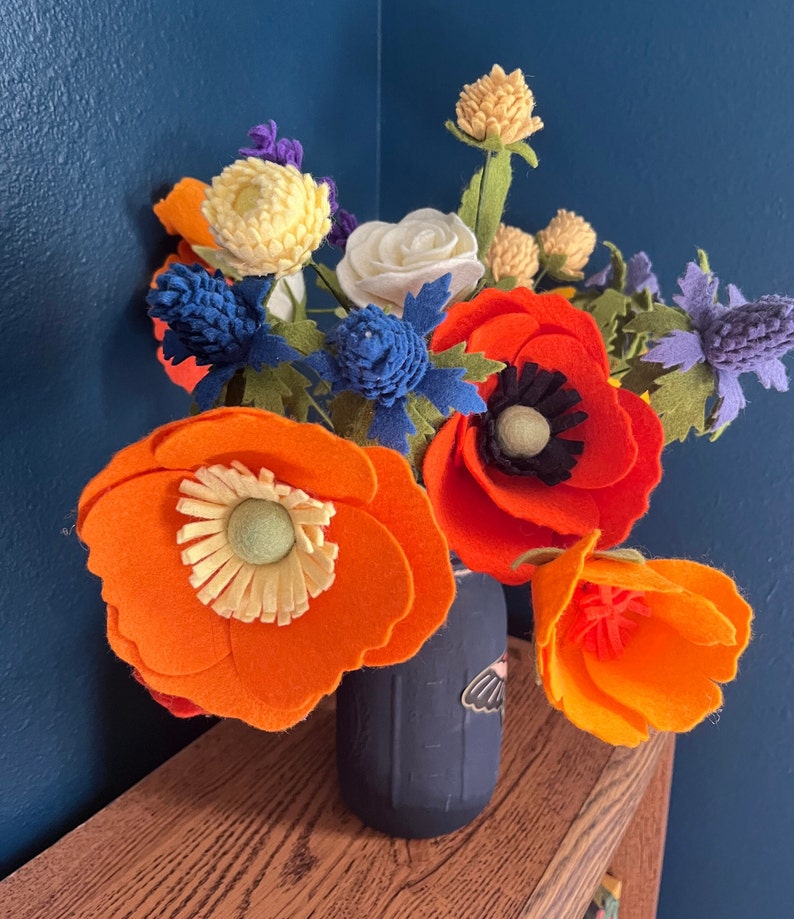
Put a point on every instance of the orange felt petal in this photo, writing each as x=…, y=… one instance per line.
x=133, y=460
x=553, y=585
x=131, y=530
x=217, y=690
x=464, y=317
x=626, y=501
x=180, y=212
x=305, y=456
x=695, y=618
x=571, y=690
x=285, y=666
x=562, y=509
x=502, y=338
x=405, y=510
x=484, y=537
x=610, y=449
x=629, y=575
x=660, y=675
x=723, y=593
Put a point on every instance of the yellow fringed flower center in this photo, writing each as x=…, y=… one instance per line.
x=256, y=546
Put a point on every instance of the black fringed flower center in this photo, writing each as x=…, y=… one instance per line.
x=520, y=432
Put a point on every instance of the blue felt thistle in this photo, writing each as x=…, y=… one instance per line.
x=386, y=360
x=219, y=325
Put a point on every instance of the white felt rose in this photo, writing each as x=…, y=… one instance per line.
x=385, y=261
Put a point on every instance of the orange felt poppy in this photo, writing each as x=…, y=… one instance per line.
x=392, y=582
x=599, y=457
x=180, y=214
x=624, y=646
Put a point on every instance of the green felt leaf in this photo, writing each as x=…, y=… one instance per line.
x=618, y=265
x=507, y=283
x=214, y=258
x=523, y=150
x=703, y=261
x=303, y=335
x=281, y=389
x=680, y=400
x=607, y=308
x=659, y=320
x=543, y=556
x=554, y=265
x=351, y=414
x=427, y=419
x=266, y=389
x=327, y=280
x=298, y=306
x=641, y=376
x=492, y=143
x=495, y=182
x=477, y=366
x=471, y=201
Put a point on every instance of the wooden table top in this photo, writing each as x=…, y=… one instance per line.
x=247, y=824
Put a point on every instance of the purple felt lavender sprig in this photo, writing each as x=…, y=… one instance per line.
x=267, y=146
x=738, y=338
x=639, y=277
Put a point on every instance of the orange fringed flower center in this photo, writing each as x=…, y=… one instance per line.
x=601, y=621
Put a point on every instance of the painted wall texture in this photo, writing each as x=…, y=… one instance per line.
x=667, y=125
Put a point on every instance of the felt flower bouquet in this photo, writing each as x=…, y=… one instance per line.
x=474, y=392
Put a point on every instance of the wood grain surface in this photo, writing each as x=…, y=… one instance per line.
x=638, y=859
x=246, y=824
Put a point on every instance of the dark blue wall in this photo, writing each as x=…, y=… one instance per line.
x=668, y=125
x=103, y=107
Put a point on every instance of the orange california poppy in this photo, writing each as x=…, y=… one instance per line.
x=248, y=561
x=624, y=646
x=559, y=451
x=180, y=214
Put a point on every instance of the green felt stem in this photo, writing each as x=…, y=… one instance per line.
x=321, y=412
x=327, y=280
x=235, y=389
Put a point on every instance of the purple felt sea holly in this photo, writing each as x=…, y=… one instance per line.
x=738, y=338
x=386, y=360
x=639, y=277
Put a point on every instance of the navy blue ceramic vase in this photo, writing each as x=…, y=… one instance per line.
x=418, y=744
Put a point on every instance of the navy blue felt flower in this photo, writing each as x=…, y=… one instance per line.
x=218, y=325
x=386, y=359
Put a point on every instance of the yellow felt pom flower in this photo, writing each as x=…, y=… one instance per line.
x=267, y=218
x=498, y=104
x=570, y=235
x=513, y=254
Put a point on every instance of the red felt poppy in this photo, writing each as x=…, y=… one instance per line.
x=496, y=489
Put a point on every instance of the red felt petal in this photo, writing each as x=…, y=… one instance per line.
x=484, y=536
x=555, y=314
x=610, y=448
x=626, y=501
x=464, y=317
x=285, y=666
x=564, y=510
x=131, y=530
x=502, y=338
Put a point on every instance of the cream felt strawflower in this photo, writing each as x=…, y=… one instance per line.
x=499, y=105
x=513, y=254
x=267, y=218
x=570, y=235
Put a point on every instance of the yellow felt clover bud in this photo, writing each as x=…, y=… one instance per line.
x=513, y=254
x=500, y=105
x=267, y=218
x=569, y=235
